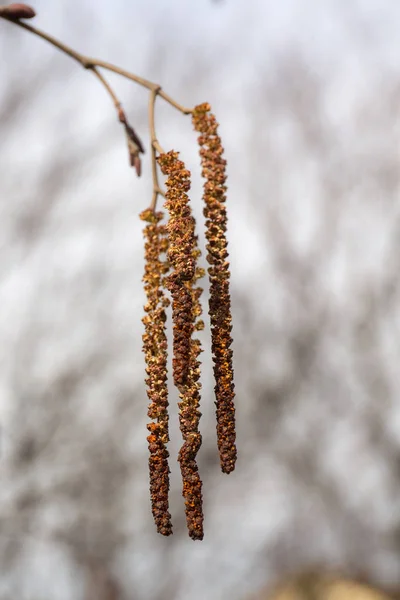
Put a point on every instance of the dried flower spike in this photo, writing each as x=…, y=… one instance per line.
x=155, y=350
x=213, y=170
x=186, y=309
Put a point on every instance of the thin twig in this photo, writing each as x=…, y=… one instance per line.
x=158, y=147
x=135, y=146
x=108, y=87
x=155, y=147
x=89, y=63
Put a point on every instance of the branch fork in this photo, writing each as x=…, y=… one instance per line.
x=17, y=13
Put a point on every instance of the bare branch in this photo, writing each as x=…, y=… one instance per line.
x=14, y=12
x=89, y=63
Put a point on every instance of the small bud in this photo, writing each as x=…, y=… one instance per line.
x=136, y=162
x=133, y=137
x=121, y=115
x=18, y=11
x=135, y=146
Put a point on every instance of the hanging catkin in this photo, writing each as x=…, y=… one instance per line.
x=213, y=170
x=155, y=350
x=182, y=254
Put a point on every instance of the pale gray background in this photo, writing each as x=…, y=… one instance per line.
x=307, y=94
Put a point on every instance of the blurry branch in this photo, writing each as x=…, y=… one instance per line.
x=15, y=98
x=100, y=583
x=324, y=584
x=52, y=178
x=317, y=362
x=15, y=12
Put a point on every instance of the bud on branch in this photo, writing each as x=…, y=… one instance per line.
x=17, y=11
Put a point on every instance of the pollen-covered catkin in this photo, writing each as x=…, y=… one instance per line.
x=186, y=309
x=214, y=172
x=155, y=350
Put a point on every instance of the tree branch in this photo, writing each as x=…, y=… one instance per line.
x=89, y=63
x=14, y=12
x=155, y=147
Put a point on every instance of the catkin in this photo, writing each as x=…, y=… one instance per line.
x=155, y=350
x=186, y=309
x=214, y=196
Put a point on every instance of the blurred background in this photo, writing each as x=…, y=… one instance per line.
x=307, y=95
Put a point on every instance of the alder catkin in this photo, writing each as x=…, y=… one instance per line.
x=186, y=309
x=214, y=196
x=155, y=350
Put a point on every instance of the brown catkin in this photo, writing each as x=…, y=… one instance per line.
x=186, y=308
x=214, y=172
x=155, y=350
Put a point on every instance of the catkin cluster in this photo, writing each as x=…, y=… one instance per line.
x=171, y=254
x=214, y=172
x=178, y=273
